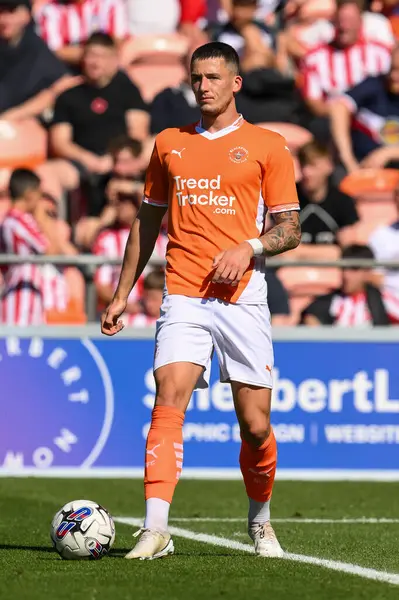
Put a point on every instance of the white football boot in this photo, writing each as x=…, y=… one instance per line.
x=265, y=541
x=152, y=544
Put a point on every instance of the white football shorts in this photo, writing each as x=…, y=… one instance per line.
x=191, y=329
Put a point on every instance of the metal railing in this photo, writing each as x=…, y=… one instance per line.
x=88, y=265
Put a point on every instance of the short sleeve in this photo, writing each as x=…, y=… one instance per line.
x=347, y=211
x=28, y=230
x=156, y=190
x=62, y=113
x=278, y=185
x=103, y=275
x=132, y=97
x=359, y=95
x=310, y=85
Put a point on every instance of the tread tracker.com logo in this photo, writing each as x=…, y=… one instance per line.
x=56, y=402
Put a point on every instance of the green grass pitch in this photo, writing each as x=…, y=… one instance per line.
x=31, y=570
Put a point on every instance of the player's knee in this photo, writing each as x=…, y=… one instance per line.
x=256, y=430
x=170, y=393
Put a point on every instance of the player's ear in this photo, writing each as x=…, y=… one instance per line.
x=237, y=84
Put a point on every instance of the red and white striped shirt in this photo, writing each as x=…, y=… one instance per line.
x=353, y=311
x=62, y=25
x=111, y=243
x=22, y=297
x=328, y=71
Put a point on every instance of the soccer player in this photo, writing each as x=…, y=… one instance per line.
x=217, y=178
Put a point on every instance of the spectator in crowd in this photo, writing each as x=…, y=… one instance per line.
x=65, y=25
x=26, y=230
x=328, y=215
x=365, y=121
x=88, y=116
x=111, y=243
x=126, y=182
x=267, y=94
x=384, y=241
x=54, y=278
x=30, y=74
x=357, y=303
x=243, y=29
x=347, y=60
x=303, y=35
x=175, y=107
x=149, y=305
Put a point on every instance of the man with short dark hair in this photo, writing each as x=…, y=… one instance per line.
x=26, y=230
x=357, y=303
x=216, y=178
x=327, y=214
x=88, y=116
x=30, y=74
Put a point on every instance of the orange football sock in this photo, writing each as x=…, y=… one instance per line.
x=164, y=453
x=258, y=467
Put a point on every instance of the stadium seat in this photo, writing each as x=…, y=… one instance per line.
x=322, y=252
x=22, y=144
x=373, y=214
x=152, y=79
x=150, y=48
x=313, y=281
x=370, y=182
x=295, y=135
x=75, y=311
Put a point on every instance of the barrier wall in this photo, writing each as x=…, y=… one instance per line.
x=75, y=403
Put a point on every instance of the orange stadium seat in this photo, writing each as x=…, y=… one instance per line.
x=153, y=78
x=75, y=311
x=313, y=281
x=148, y=48
x=322, y=252
x=22, y=144
x=295, y=135
x=370, y=182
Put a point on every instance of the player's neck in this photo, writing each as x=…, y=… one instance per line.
x=214, y=123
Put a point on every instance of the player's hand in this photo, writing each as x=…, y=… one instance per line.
x=230, y=265
x=110, y=321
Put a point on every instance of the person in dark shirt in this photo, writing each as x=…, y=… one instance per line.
x=365, y=122
x=30, y=74
x=327, y=214
x=175, y=107
x=107, y=104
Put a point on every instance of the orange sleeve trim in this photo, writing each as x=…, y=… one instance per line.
x=160, y=203
x=284, y=208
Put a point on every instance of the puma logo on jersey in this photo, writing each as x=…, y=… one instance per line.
x=178, y=152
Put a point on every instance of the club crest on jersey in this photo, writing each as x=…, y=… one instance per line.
x=238, y=155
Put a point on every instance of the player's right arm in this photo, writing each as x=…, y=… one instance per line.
x=140, y=244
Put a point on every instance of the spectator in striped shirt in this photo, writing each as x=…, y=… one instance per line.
x=65, y=25
x=365, y=122
x=335, y=67
x=357, y=303
x=26, y=230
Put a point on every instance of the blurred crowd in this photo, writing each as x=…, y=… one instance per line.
x=85, y=85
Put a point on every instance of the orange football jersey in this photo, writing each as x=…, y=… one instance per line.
x=218, y=187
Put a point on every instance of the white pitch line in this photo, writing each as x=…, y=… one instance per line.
x=298, y=520
x=333, y=565
x=349, y=521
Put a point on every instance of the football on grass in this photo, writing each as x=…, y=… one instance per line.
x=82, y=529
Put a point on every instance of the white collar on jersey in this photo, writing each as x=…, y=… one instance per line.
x=217, y=134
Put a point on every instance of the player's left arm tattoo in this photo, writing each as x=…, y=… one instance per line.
x=285, y=235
